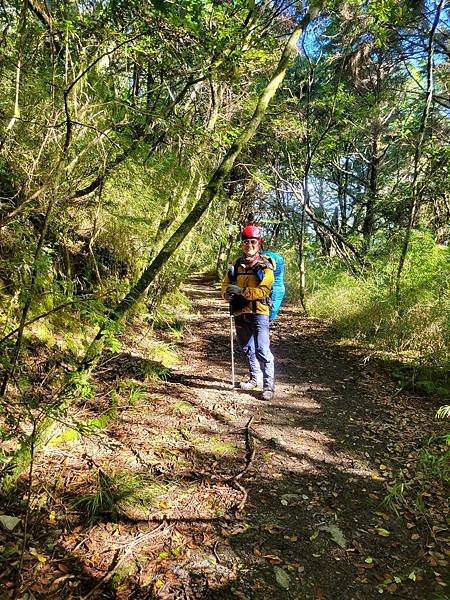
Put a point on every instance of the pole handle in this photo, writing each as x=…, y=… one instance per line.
x=231, y=279
x=232, y=351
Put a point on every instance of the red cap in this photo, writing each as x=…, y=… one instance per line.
x=251, y=231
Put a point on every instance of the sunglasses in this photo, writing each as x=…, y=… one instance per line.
x=250, y=241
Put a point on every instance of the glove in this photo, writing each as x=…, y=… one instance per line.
x=232, y=290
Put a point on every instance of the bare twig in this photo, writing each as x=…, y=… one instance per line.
x=249, y=456
x=215, y=551
x=242, y=489
x=118, y=562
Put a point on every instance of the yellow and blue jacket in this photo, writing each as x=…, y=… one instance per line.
x=256, y=288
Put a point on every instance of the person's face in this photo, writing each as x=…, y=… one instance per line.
x=250, y=246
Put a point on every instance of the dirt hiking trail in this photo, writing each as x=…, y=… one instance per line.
x=246, y=499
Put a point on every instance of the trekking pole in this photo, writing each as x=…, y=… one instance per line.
x=232, y=347
x=231, y=278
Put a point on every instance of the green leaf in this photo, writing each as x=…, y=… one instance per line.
x=282, y=578
x=336, y=534
x=9, y=523
x=382, y=532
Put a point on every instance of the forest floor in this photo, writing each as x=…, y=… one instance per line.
x=189, y=489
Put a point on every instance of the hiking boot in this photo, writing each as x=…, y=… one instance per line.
x=267, y=395
x=249, y=385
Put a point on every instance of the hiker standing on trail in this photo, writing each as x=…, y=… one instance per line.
x=247, y=286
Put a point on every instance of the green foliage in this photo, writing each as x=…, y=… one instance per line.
x=70, y=435
x=137, y=392
x=364, y=308
x=117, y=489
x=443, y=412
x=182, y=407
x=430, y=467
x=435, y=461
x=396, y=495
x=110, y=329
x=153, y=370
x=175, y=327
x=87, y=427
x=81, y=384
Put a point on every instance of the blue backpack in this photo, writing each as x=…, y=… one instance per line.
x=278, y=289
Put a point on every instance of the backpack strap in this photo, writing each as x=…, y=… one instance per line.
x=267, y=262
x=237, y=264
x=232, y=278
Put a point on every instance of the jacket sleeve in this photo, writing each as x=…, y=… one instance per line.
x=225, y=283
x=262, y=290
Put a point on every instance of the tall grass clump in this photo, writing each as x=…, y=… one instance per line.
x=365, y=307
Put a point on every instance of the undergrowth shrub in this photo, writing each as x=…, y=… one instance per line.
x=364, y=307
x=110, y=491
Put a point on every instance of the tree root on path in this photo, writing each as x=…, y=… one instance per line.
x=249, y=456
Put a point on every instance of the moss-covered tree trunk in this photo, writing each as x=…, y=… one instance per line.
x=212, y=188
x=209, y=193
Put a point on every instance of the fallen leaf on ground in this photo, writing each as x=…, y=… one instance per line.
x=382, y=532
x=272, y=557
x=282, y=578
x=336, y=534
x=9, y=523
x=41, y=558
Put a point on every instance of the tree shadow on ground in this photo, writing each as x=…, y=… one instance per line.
x=290, y=522
x=313, y=525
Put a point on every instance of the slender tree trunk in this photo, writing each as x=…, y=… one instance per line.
x=226, y=244
x=415, y=192
x=136, y=78
x=20, y=49
x=369, y=219
x=301, y=261
x=342, y=181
